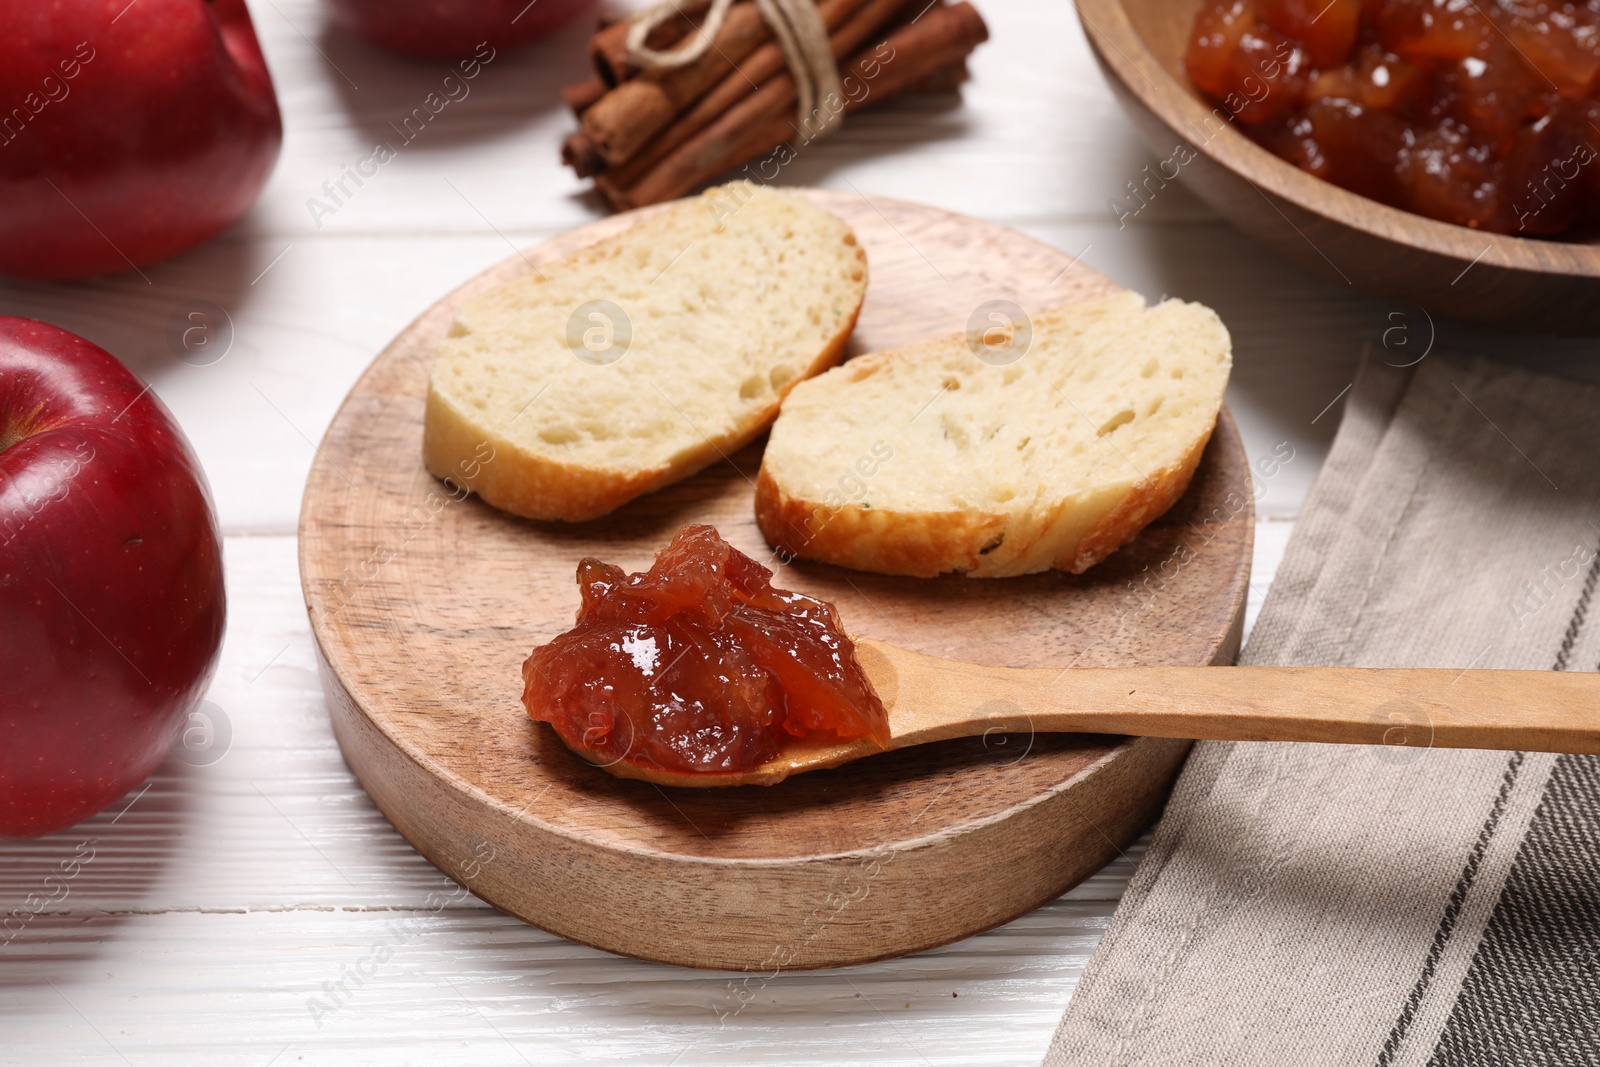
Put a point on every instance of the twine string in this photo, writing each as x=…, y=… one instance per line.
x=795, y=24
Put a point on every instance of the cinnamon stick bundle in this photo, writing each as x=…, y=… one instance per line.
x=765, y=120
x=755, y=77
x=625, y=120
x=656, y=134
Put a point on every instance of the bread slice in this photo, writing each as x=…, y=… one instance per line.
x=542, y=403
x=926, y=459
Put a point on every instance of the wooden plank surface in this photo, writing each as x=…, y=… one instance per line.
x=218, y=904
x=225, y=897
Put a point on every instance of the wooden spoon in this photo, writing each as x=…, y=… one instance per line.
x=931, y=699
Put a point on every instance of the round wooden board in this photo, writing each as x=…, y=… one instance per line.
x=424, y=607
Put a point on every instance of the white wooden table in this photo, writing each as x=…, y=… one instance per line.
x=260, y=910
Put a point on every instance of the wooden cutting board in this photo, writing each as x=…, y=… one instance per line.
x=424, y=607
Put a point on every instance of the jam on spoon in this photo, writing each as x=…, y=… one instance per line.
x=699, y=666
x=699, y=673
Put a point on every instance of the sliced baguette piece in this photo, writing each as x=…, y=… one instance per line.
x=731, y=298
x=927, y=459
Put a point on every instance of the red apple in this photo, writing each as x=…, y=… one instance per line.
x=452, y=29
x=111, y=598
x=128, y=131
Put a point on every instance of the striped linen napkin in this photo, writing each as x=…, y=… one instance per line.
x=1394, y=906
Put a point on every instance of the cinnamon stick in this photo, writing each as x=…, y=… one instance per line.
x=947, y=80
x=762, y=123
x=581, y=96
x=579, y=153
x=758, y=71
x=608, y=48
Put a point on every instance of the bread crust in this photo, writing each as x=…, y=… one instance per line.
x=919, y=545
x=979, y=544
x=533, y=486
x=1148, y=501
x=514, y=479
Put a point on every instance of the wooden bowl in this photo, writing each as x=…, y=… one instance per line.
x=1382, y=251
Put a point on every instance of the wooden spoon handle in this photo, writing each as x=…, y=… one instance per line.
x=1545, y=711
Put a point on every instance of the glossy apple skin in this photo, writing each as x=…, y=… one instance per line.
x=451, y=29
x=111, y=594
x=161, y=137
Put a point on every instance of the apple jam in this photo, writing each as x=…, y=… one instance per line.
x=1484, y=113
x=699, y=665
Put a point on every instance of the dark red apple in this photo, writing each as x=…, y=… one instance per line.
x=128, y=131
x=452, y=29
x=111, y=598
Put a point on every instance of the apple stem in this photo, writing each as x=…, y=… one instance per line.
x=15, y=431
